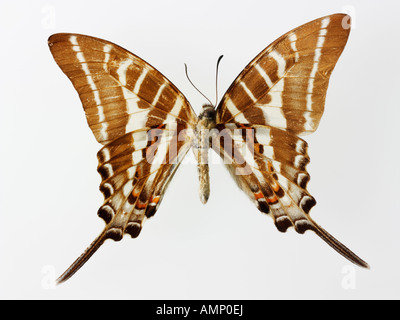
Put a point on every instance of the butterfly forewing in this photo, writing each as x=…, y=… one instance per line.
x=285, y=85
x=119, y=91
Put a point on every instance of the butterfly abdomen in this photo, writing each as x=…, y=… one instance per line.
x=201, y=144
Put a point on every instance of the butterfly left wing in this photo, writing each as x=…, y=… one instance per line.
x=139, y=117
x=277, y=97
x=136, y=170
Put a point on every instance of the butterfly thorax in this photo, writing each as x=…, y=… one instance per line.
x=201, y=145
x=207, y=117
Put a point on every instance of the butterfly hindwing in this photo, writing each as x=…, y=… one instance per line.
x=270, y=165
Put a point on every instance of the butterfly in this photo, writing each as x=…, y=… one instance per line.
x=146, y=126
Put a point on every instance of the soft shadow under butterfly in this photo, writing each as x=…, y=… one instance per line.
x=146, y=126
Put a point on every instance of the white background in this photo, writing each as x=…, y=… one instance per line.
x=226, y=249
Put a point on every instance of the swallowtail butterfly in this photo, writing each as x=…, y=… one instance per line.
x=146, y=127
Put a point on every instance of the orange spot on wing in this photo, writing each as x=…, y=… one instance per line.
x=258, y=195
x=273, y=199
x=155, y=199
x=141, y=205
x=136, y=193
x=275, y=187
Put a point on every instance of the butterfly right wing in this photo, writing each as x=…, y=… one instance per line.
x=278, y=96
x=276, y=184
x=285, y=85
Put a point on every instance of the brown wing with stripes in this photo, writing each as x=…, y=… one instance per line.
x=140, y=118
x=252, y=153
x=285, y=85
x=119, y=91
x=278, y=96
x=276, y=183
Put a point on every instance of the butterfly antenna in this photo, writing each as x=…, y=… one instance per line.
x=187, y=76
x=216, y=80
